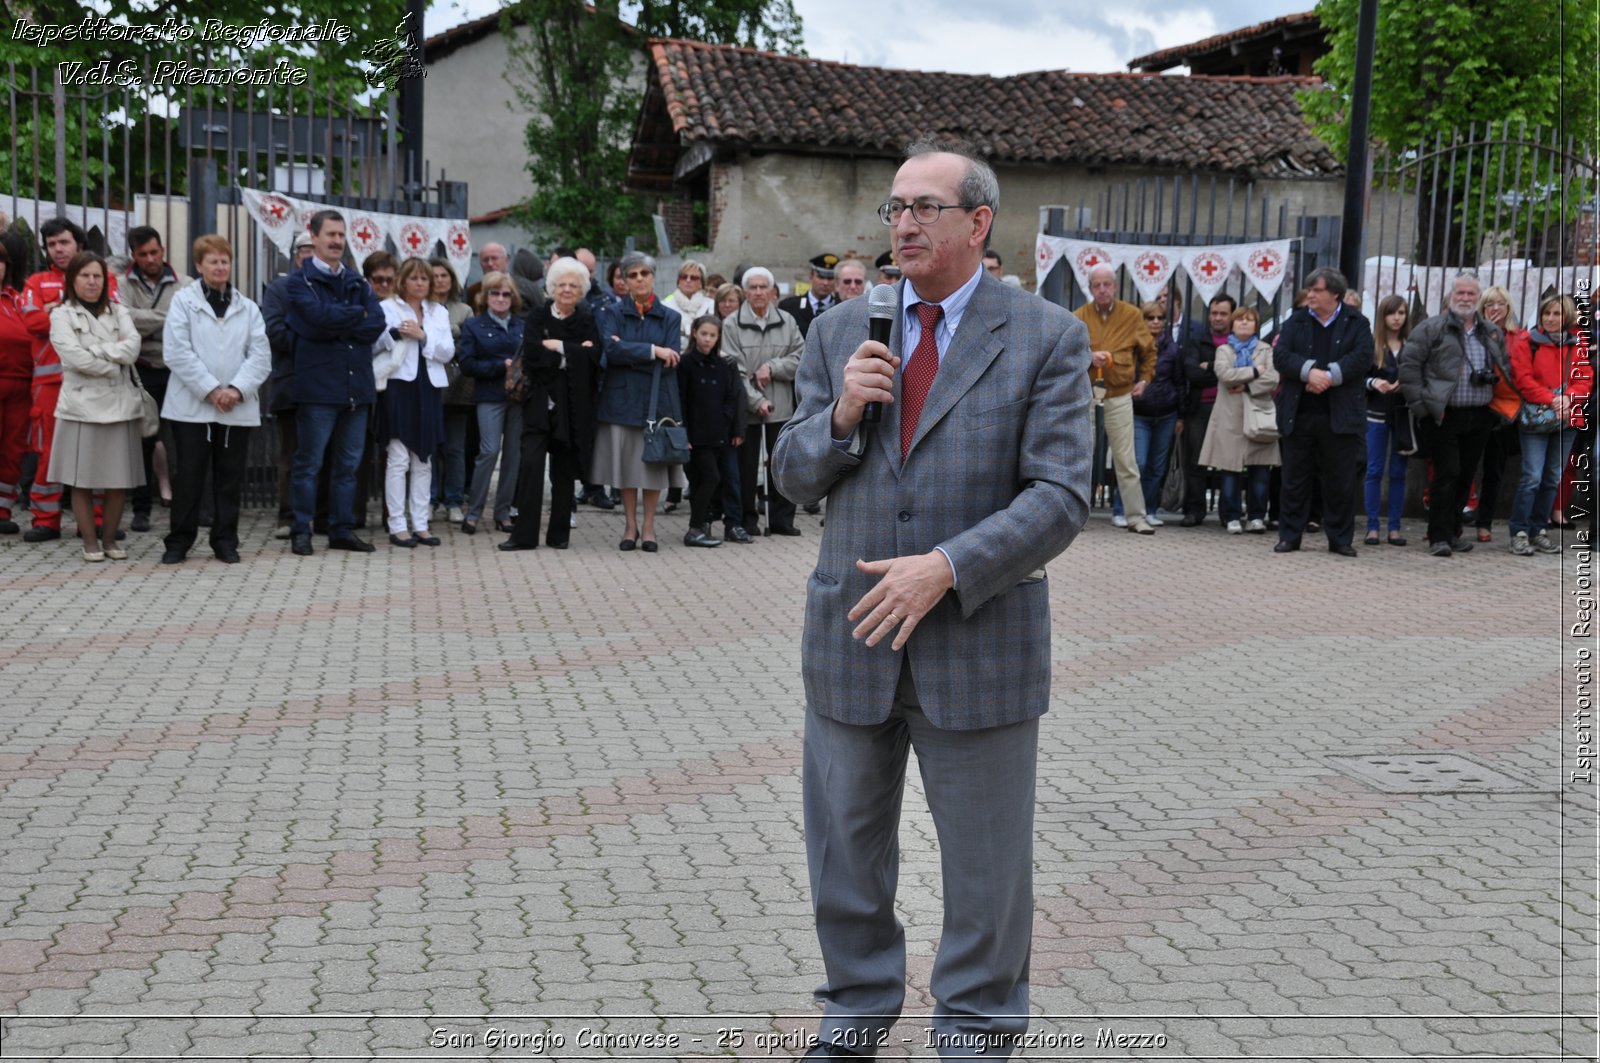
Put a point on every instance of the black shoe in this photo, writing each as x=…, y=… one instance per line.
x=737, y=534
x=1461, y=546
x=512, y=544
x=1190, y=521
x=8, y=527
x=1286, y=546
x=628, y=544
x=1313, y=526
x=700, y=537
x=503, y=527
x=669, y=507
x=783, y=531
x=812, y=508
x=557, y=546
x=1396, y=540
x=1439, y=549
x=470, y=527
x=649, y=546
x=831, y=1052
x=39, y=534
x=226, y=554
x=425, y=540
x=1342, y=549
x=300, y=544
x=352, y=543
x=141, y=522
x=599, y=500
x=174, y=556
x=99, y=533
x=395, y=540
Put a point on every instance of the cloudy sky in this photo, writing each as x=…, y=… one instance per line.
x=992, y=36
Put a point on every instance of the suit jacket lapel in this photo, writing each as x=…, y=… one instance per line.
x=972, y=349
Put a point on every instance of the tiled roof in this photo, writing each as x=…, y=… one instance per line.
x=1179, y=56
x=721, y=95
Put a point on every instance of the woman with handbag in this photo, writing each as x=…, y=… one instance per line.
x=560, y=363
x=411, y=398
x=1383, y=404
x=215, y=345
x=98, y=445
x=489, y=344
x=1242, y=435
x=1551, y=373
x=639, y=336
x=1155, y=417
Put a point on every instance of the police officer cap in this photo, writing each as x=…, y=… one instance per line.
x=885, y=264
x=823, y=265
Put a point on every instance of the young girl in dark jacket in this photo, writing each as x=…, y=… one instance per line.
x=711, y=392
x=1383, y=396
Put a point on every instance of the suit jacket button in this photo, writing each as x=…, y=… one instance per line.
x=904, y=516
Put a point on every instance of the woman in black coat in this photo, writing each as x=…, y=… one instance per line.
x=560, y=364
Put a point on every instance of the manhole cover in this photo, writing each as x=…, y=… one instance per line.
x=1428, y=773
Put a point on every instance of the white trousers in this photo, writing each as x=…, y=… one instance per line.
x=1119, y=440
x=400, y=461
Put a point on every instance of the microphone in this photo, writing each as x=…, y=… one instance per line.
x=883, y=303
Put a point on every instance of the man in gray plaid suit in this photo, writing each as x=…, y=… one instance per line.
x=928, y=616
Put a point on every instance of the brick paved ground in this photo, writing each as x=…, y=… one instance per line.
x=327, y=806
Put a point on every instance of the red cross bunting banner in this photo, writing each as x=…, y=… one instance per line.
x=1150, y=268
x=282, y=218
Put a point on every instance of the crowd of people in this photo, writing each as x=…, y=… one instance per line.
x=545, y=372
x=1280, y=429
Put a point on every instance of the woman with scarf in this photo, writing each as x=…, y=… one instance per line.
x=1245, y=376
x=640, y=338
x=1548, y=368
x=215, y=345
x=560, y=366
x=96, y=445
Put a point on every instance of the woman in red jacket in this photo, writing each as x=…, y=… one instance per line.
x=1548, y=368
x=16, y=379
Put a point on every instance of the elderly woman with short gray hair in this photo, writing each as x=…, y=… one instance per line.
x=640, y=339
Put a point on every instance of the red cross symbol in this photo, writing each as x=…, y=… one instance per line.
x=1044, y=254
x=277, y=210
x=1151, y=267
x=1092, y=260
x=364, y=233
x=414, y=240
x=1208, y=267
x=460, y=242
x=1266, y=263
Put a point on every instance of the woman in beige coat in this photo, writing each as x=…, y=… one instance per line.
x=97, y=445
x=1245, y=379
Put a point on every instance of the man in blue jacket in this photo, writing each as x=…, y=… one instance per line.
x=334, y=318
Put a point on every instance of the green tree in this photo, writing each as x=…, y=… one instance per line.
x=1473, y=69
x=581, y=69
x=771, y=25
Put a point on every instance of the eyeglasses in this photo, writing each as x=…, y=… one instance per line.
x=687, y=277
x=632, y=273
x=851, y=282
x=1154, y=317
x=499, y=295
x=923, y=211
x=382, y=278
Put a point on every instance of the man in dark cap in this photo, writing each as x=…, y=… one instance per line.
x=888, y=272
x=805, y=307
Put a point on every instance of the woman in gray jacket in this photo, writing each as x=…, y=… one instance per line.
x=215, y=343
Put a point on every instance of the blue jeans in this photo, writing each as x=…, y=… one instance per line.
x=1381, y=455
x=1258, y=479
x=337, y=435
x=1152, y=446
x=1544, y=458
x=450, y=464
x=499, y=436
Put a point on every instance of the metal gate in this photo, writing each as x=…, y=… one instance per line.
x=113, y=157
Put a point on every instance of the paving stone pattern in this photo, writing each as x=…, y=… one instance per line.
x=468, y=804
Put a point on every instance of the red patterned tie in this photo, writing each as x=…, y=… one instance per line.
x=919, y=374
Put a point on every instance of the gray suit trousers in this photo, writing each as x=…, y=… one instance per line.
x=980, y=789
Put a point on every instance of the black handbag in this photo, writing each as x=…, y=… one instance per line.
x=666, y=442
x=1405, y=431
